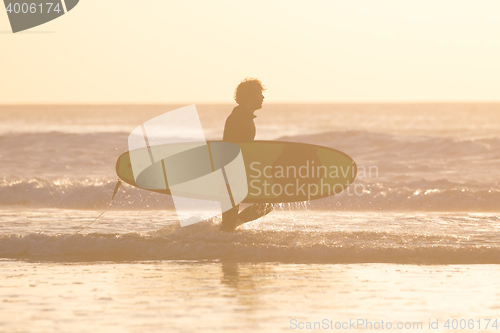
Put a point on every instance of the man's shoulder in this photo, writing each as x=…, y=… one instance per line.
x=235, y=114
x=236, y=110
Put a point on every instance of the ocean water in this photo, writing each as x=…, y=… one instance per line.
x=416, y=239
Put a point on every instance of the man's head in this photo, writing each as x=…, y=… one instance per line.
x=249, y=94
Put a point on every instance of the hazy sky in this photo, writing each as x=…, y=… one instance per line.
x=163, y=51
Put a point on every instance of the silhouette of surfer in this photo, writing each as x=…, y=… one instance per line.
x=240, y=128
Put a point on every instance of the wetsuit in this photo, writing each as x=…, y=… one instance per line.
x=239, y=128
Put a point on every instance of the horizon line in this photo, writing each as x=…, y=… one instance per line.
x=228, y=103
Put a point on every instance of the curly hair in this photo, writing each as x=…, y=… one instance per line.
x=247, y=89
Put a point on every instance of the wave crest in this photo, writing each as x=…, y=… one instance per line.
x=205, y=242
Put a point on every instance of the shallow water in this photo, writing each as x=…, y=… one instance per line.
x=194, y=296
x=288, y=236
x=419, y=241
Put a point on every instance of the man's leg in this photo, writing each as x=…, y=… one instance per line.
x=230, y=219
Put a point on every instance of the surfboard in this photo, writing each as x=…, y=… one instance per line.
x=276, y=171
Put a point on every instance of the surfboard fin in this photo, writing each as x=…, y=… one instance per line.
x=254, y=212
x=116, y=188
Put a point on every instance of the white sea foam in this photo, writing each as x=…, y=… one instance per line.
x=394, y=172
x=296, y=246
x=421, y=195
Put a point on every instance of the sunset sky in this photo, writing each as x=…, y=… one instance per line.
x=163, y=51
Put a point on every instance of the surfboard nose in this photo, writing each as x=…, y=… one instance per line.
x=26, y=15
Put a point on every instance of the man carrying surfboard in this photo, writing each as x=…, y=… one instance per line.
x=240, y=128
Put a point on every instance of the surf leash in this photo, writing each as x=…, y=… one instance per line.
x=118, y=184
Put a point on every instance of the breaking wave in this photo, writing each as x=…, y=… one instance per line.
x=429, y=173
x=205, y=242
x=439, y=195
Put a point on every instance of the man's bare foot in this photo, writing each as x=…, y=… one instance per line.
x=227, y=228
x=230, y=227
